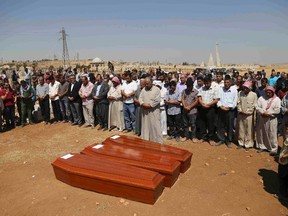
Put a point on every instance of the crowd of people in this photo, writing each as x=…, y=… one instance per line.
x=249, y=111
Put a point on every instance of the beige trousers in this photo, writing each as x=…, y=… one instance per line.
x=88, y=113
x=245, y=130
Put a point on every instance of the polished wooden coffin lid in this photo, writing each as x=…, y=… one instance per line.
x=179, y=154
x=166, y=166
x=93, y=167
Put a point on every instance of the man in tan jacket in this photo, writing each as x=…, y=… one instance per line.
x=247, y=101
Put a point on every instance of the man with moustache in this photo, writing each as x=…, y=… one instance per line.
x=42, y=90
x=128, y=91
x=85, y=94
x=228, y=97
x=74, y=102
x=99, y=94
x=208, y=99
x=247, y=101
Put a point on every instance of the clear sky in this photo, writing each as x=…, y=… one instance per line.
x=248, y=31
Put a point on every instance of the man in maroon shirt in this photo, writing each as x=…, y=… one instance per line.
x=282, y=92
x=1, y=111
x=8, y=97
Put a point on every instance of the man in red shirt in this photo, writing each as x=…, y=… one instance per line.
x=7, y=95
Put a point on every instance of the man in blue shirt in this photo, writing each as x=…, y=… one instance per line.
x=228, y=97
x=273, y=78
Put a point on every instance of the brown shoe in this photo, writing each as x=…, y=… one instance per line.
x=100, y=128
x=112, y=127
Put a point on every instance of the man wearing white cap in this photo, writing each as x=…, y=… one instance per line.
x=149, y=100
x=247, y=101
x=163, y=115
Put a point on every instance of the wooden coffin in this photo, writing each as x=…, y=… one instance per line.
x=108, y=177
x=182, y=155
x=166, y=166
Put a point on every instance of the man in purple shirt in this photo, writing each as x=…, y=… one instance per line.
x=189, y=102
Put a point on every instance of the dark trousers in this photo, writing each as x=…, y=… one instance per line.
x=9, y=116
x=102, y=111
x=19, y=110
x=26, y=109
x=65, y=109
x=76, y=110
x=56, y=110
x=45, y=109
x=138, y=120
x=189, y=120
x=206, y=119
x=0, y=120
x=225, y=125
x=174, y=123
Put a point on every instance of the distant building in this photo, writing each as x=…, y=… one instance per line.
x=96, y=62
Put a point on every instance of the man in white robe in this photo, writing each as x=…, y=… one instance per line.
x=163, y=115
x=268, y=107
x=149, y=100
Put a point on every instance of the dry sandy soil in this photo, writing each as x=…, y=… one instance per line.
x=221, y=181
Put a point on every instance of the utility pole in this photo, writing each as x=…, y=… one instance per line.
x=65, y=54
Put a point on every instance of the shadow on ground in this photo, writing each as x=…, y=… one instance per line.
x=271, y=184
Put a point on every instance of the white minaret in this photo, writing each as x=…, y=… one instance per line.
x=211, y=61
x=218, y=62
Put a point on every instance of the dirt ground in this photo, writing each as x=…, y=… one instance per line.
x=221, y=181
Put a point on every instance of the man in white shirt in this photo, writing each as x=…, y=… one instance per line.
x=219, y=83
x=53, y=95
x=128, y=91
x=199, y=84
x=27, y=74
